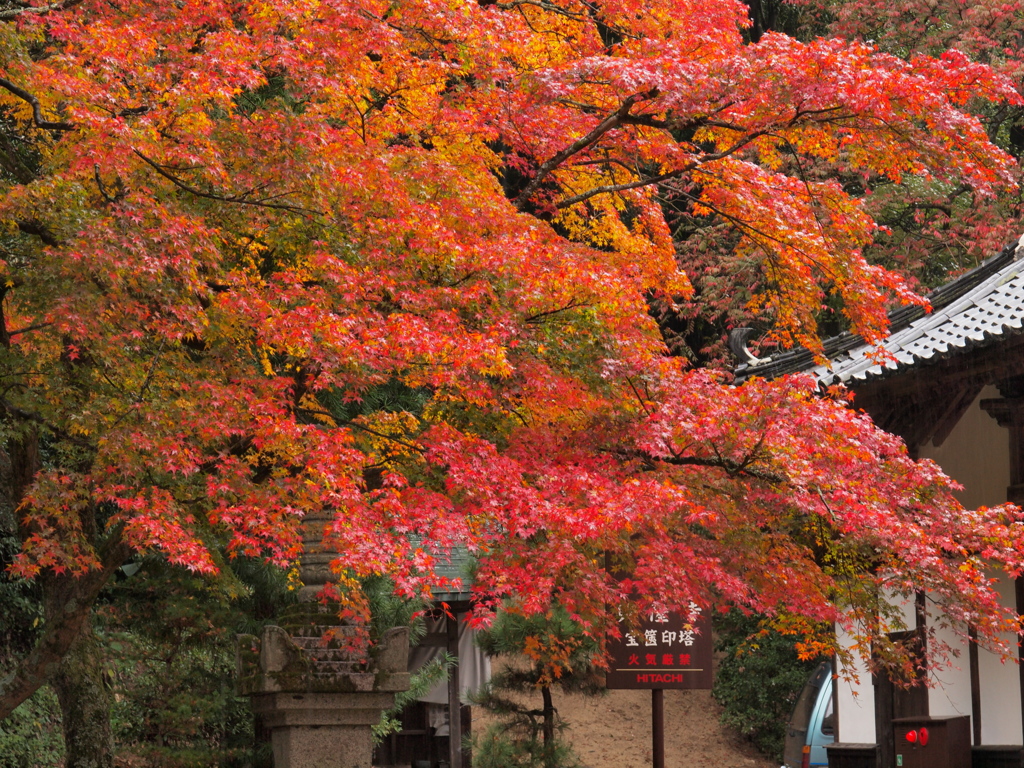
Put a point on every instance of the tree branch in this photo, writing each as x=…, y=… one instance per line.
x=27, y=329
x=35, y=418
x=611, y=121
x=649, y=180
x=119, y=193
x=39, y=230
x=12, y=162
x=729, y=466
x=537, y=316
x=636, y=184
x=651, y=122
x=13, y=13
x=37, y=111
x=242, y=199
x=544, y=6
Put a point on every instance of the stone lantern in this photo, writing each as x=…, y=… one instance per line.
x=317, y=696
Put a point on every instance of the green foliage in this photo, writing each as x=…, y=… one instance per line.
x=541, y=651
x=501, y=747
x=558, y=650
x=31, y=737
x=758, y=680
x=181, y=710
x=21, y=611
x=170, y=639
x=392, y=396
x=250, y=101
x=389, y=610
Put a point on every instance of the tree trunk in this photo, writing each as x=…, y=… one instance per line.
x=68, y=599
x=85, y=703
x=549, y=728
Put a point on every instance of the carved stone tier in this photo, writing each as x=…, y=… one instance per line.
x=316, y=693
x=315, y=566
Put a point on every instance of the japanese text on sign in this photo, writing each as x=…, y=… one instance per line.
x=668, y=650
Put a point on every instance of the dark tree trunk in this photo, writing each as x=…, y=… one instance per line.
x=85, y=703
x=763, y=17
x=68, y=602
x=549, y=728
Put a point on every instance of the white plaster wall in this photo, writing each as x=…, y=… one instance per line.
x=950, y=693
x=976, y=454
x=950, y=688
x=1000, y=689
x=856, y=696
x=856, y=700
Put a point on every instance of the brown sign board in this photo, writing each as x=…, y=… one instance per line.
x=666, y=650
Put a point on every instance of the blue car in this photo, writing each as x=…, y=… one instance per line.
x=811, y=726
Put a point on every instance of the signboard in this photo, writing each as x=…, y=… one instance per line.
x=666, y=651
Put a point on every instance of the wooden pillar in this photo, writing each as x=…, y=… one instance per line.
x=1019, y=591
x=836, y=723
x=658, y=727
x=975, y=668
x=885, y=736
x=454, y=698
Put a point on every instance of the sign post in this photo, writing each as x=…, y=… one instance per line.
x=658, y=727
x=666, y=651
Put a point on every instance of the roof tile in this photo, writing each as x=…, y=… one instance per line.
x=975, y=310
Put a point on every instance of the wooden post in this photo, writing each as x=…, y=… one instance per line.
x=973, y=665
x=835, y=697
x=658, y=726
x=884, y=733
x=454, y=699
x=1018, y=588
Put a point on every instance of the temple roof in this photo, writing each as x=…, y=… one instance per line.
x=977, y=309
x=460, y=567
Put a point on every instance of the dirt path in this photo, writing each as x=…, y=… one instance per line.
x=614, y=731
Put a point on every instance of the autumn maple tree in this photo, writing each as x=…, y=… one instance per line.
x=930, y=227
x=229, y=226
x=942, y=227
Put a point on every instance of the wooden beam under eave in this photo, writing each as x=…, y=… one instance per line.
x=993, y=363
x=953, y=412
x=975, y=669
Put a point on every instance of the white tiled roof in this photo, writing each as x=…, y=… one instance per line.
x=980, y=307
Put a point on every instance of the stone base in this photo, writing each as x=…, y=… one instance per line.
x=322, y=746
x=321, y=730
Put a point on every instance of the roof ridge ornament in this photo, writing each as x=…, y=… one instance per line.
x=738, y=338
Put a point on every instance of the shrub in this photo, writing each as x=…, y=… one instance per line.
x=758, y=680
